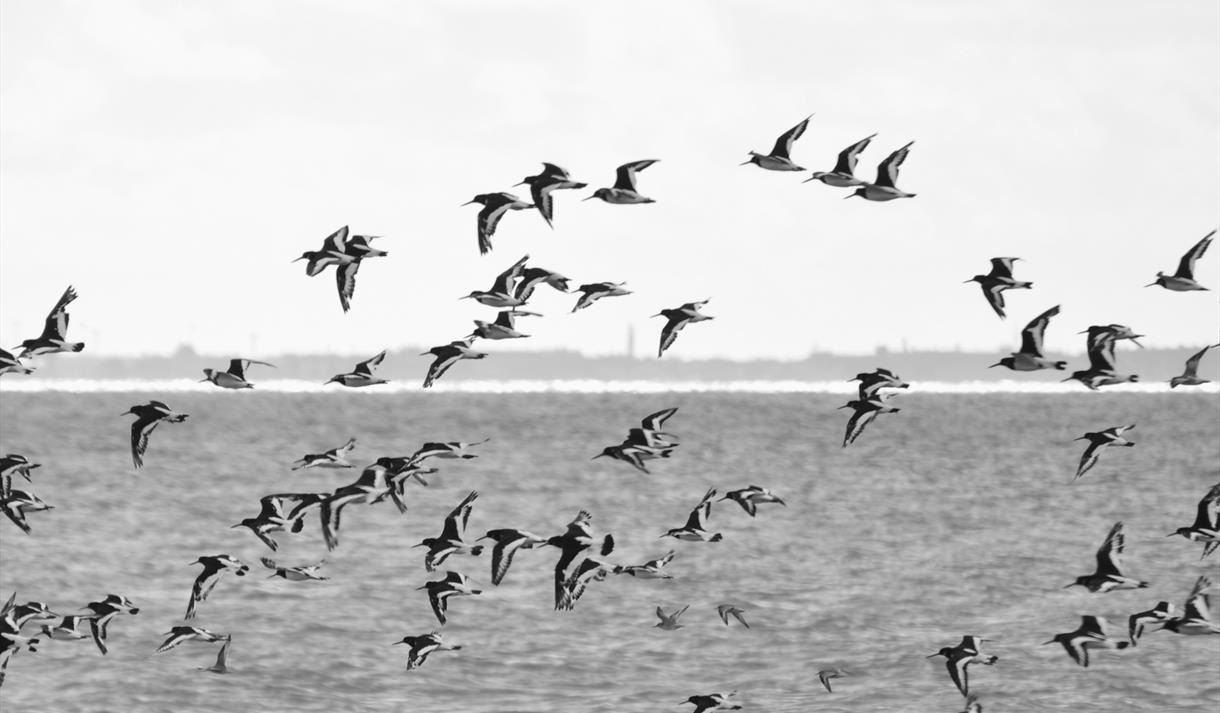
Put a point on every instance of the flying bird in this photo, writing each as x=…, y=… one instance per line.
x=594, y=291
x=222, y=657
x=826, y=675
x=1101, y=439
x=100, y=614
x=54, y=331
x=276, y=515
x=362, y=375
x=624, y=191
x=1092, y=634
x=780, y=157
x=577, y=538
x=1030, y=357
x=441, y=590
x=334, y=458
x=552, y=178
x=422, y=646
x=446, y=356
x=504, y=327
x=1103, y=364
x=1184, y=279
x=235, y=377
x=11, y=465
x=10, y=364
x=1206, y=527
x=213, y=567
x=712, y=701
x=451, y=540
x=695, y=529
x=148, y=416
x=182, y=634
x=999, y=279
x=749, y=498
x=884, y=188
x=1196, y=619
x=332, y=252
x=1190, y=377
x=1148, y=621
x=531, y=277
x=495, y=205
x=502, y=290
x=1109, y=575
x=844, y=173
x=871, y=383
x=727, y=610
x=958, y=659
x=508, y=541
x=652, y=569
x=864, y=411
x=669, y=621
x=300, y=573
x=677, y=319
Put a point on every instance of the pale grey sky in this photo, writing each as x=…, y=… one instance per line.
x=169, y=159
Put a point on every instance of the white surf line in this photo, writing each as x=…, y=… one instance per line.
x=576, y=386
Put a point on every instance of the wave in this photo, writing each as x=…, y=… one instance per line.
x=578, y=386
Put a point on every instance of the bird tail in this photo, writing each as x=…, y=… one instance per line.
x=79, y=346
x=476, y=550
x=1061, y=365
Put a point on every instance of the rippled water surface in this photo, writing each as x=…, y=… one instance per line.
x=956, y=516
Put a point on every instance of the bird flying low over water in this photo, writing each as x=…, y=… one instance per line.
x=495, y=205
x=624, y=191
x=11, y=465
x=577, y=538
x=864, y=411
x=652, y=569
x=451, y=540
x=276, y=515
x=1148, y=621
x=1109, y=575
x=441, y=590
x=446, y=356
x=16, y=503
x=1190, y=376
x=844, y=173
x=695, y=529
x=1206, y=527
x=423, y=645
x=10, y=364
x=825, y=675
x=334, y=458
x=67, y=629
x=713, y=701
x=362, y=375
x=213, y=568
x=727, y=610
x=502, y=290
x=300, y=573
x=508, y=541
x=181, y=634
x=448, y=450
x=958, y=659
x=54, y=331
x=100, y=614
x=749, y=498
x=1103, y=364
x=586, y=571
x=678, y=318
x=1092, y=634
x=1030, y=357
x=669, y=621
x=552, y=178
x=235, y=377
x=1101, y=439
x=1184, y=279
x=885, y=188
x=873, y=382
x=222, y=657
x=594, y=291
x=999, y=279
x=148, y=416
x=372, y=486
x=780, y=157
x=1196, y=619
x=504, y=327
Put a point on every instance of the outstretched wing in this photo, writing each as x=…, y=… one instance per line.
x=1031, y=336
x=783, y=145
x=56, y=325
x=345, y=280
x=1186, y=268
x=887, y=170
x=625, y=175
x=849, y=156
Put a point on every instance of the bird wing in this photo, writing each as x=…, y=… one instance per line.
x=1192, y=364
x=1196, y=606
x=140, y=431
x=336, y=241
x=366, y=367
x=1209, y=510
x=540, y=191
x=502, y=557
x=455, y=523
x=856, y=425
x=1089, y=458
x=740, y=616
x=669, y=333
x=783, y=144
x=204, y=583
x=505, y=281
x=1109, y=555
x=176, y=636
x=625, y=174
x=887, y=170
x=995, y=297
x=489, y=218
x=1101, y=352
x=56, y=325
x=956, y=666
x=654, y=422
x=848, y=157
x=825, y=680
x=345, y=281
x=1031, y=336
x=1002, y=267
x=439, y=366
x=1186, y=268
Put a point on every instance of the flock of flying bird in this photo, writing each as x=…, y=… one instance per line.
x=582, y=554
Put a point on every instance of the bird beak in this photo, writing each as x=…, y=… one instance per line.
x=519, y=184
x=807, y=180
x=966, y=282
x=468, y=202
x=1044, y=643
x=403, y=642
x=745, y=163
x=1136, y=340
x=599, y=455
x=849, y=195
x=1073, y=584
x=932, y=656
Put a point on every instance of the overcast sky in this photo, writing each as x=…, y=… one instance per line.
x=170, y=159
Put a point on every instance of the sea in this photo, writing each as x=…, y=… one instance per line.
x=959, y=515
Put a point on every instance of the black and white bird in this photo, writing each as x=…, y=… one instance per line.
x=1206, y=527
x=299, y=573
x=652, y=569
x=677, y=319
x=213, y=568
x=1151, y=620
x=10, y=364
x=531, y=277
x=235, y=376
x=750, y=497
x=362, y=375
x=446, y=450
x=358, y=248
x=452, y=538
x=503, y=290
x=1112, y=436
x=728, y=610
x=66, y=629
x=334, y=458
x=504, y=326
x=446, y=356
x=495, y=205
x=372, y=486
x=864, y=411
x=1184, y=279
x=1103, y=365
x=278, y=513
x=440, y=591
x=1030, y=356
x=1109, y=574
x=181, y=634
x=594, y=291
x=695, y=529
x=1092, y=634
x=958, y=659
x=552, y=178
x=713, y=701
x=11, y=465
x=508, y=541
x=333, y=252
x=16, y=503
x=586, y=571
x=624, y=191
x=997, y=281
x=422, y=646
x=577, y=538
x=54, y=331
x=100, y=614
x=885, y=187
x=222, y=657
x=1196, y=619
x=844, y=173
x=148, y=417
x=872, y=382
x=780, y=158
x=1190, y=376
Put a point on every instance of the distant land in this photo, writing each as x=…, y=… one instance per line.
x=407, y=364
